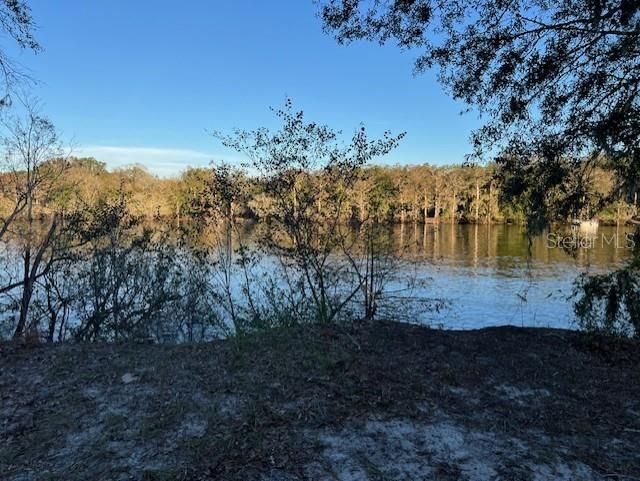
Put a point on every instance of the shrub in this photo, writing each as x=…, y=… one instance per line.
x=609, y=303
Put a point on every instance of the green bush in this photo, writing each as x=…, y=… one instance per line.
x=610, y=303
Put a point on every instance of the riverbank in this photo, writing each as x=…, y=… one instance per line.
x=389, y=402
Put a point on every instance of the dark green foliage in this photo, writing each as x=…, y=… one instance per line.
x=557, y=82
x=130, y=283
x=17, y=23
x=610, y=303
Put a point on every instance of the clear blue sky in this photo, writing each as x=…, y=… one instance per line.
x=144, y=81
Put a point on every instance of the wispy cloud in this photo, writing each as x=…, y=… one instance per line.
x=160, y=161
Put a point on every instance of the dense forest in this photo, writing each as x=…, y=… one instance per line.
x=410, y=193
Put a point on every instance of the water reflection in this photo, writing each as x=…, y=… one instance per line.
x=473, y=245
x=495, y=274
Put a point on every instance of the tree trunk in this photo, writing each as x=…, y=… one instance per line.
x=53, y=320
x=26, y=288
x=436, y=214
x=425, y=207
x=490, y=209
x=31, y=273
x=454, y=207
x=477, y=201
x=26, y=295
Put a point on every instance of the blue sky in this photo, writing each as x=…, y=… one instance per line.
x=145, y=81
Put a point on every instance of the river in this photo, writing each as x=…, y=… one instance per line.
x=490, y=275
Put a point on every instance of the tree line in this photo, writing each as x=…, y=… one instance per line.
x=408, y=193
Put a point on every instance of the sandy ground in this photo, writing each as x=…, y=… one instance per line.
x=384, y=402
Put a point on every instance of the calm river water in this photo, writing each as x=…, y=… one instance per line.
x=490, y=275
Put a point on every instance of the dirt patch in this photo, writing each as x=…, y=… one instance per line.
x=442, y=450
x=386, y=402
